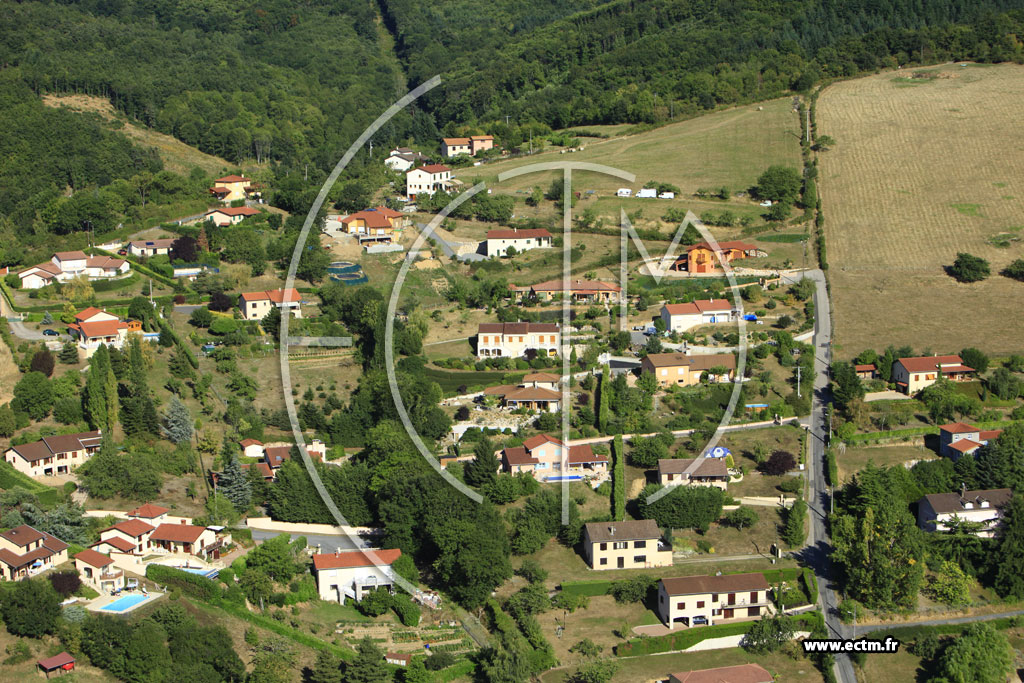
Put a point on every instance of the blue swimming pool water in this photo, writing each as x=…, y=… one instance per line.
x=122, y=604
x=570, y=477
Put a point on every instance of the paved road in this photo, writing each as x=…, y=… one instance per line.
x=21, y=330
x=817, y=553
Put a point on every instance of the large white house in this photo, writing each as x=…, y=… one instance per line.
x=427, y=180
x=708, y=600
x=938, y=511
x=54, y=454
x=500, y=241
x=350, y=574
x=67, y=265
x=514, y=340
x=403, y=158
x=256, y=305
x=682, y=317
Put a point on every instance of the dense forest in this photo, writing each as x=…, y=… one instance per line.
x=291, y=85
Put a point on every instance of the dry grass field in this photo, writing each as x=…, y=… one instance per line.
x=923, y=169
x=176, y=155
x=730, y=148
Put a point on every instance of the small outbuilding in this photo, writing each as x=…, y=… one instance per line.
x=60, y=664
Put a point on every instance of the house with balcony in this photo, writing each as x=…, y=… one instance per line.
x=427, y=179
x=701, y=258
x=958, y=439
x=683, y=317
x=498, y=242
x=707, y=600
x=911, y=375
x=25, y=552
x=517, y=340
x=256, y=305
x=940, y=511
x=633, y=544
x=54, y=454
x=547, y=459
x=341, y=576
x=537, y=391
x=379, y=224
x=98, y=571
x=93, y=327
x=684, y=370
x=232, y=188
x=131, y=536
x=68, y=265
x=693, y=472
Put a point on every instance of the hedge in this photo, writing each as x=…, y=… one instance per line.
x=11, y=478
x=588, y=588
x=193, y=585
x=618, y=480
x=917, y=431
x=810, y=584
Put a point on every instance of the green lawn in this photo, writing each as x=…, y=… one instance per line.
x=857, y=457
x=726, y=540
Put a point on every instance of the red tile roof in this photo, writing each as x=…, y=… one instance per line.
x=153, y=244
x=102, y=328
x=63, y=443
x=49, y=270
x=87, y=313
x=232, y=179
x=958, y=428
x=452, y=142
x=390, y=213
x=276, y=455
x=276, y=295
x=56, y=662
x=575, y=285
x=432, y=168
x=927, y=363
x=540, y=440
x=870, y=367
x=245, y=443
x=132, y=527
x=71, y=255
x=177, y=533
x=372, y=219
x=583, y=454
x=724, y=246
x=355, y=558
x=964, y=445
x=542, y=377
x=93, y=558
x=739, y=673
x=694, y=363
x=121, y=544
x=516, y=328
x=148, y=511
x=263, y=467
x=518, y=234
x=235, y=211
x=699, y=306
x=989, y=434
x=725, y=583
x=517, y=456
x=23, y=535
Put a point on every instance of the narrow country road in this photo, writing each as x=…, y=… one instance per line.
x=818, y=551
x=18, y=329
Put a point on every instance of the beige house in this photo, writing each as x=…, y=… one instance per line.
x=680, y=369
x=351, y=574
x=427, y=180
x=232, y=188
x=959, y=439
x=251, y=448
x=937, y=511
x=693, y=472
x=547, y=459
x=708, y=600
x=150, y=247
x=230, y=215
x=25, y=552
x=187, y=539
x=739, y=673
x=911, y=375
x=683, y=317
x=68, y=265
x=156, y=514
x=579, y=291
x=453, y=147
x=98, y=571
x=93, y=327
x=379, y=224
x=131, y=536
x=634, y=544
x=537, y=391
x=54, y=454
x=514, y=340
x=256, y=305
x=498, y=242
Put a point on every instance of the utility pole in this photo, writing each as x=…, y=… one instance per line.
x=807, y=112
x=798, y=368
x=507, y=117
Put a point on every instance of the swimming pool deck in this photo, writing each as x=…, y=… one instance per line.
x=99, y=603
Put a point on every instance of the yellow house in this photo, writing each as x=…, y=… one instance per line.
x=911, y=375
x=634, y=544
x=231, y=188
x=680, y=369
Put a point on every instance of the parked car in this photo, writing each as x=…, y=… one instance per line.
x=122, y=252
x=700, y=620
x=50, y=333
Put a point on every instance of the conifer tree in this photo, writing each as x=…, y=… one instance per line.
x=234, y=485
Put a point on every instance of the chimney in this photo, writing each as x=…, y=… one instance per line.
x=963, y=489
x=611, y=531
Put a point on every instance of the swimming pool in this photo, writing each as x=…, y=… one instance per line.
x=208, y=573
x=125, y=603
x=568, y=477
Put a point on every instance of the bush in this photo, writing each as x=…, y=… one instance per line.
x=778, y=463
x=969, y=268
x=193, y=585
x=65, y=583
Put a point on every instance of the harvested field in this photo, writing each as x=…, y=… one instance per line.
x=923, y=168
